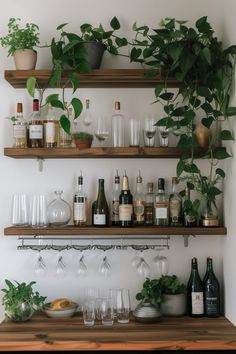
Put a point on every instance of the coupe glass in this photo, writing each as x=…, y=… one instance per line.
x=58, y=211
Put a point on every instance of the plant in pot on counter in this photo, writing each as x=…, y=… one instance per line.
x=174, y=296
x=21, y=43
x=20, y=301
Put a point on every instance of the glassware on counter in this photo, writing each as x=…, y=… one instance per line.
x=106, y=310
x=20, y=210
x=123, y=305
x=58, y=211
x=89, y=312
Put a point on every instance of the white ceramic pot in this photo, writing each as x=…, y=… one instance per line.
x=25, y=59
x=174, y=305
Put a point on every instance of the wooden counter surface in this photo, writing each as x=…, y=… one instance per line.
x=42, y=333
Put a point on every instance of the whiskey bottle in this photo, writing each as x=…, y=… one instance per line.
x=149, y=205
x=189, y=217
x=115, y=201
x=211, y=288
x=20, y=128
x=35, y=127
x=50, y=128
x=195, y=303
x=138, y=203
x=125, y=204
x=100, y=210
x=117, y=127
x=161, y=205
x=175, y=205
x=80, y=205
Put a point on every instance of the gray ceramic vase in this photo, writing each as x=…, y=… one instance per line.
x=147, y=313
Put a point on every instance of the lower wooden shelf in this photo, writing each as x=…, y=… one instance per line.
x=170, y=334
x=113, y=231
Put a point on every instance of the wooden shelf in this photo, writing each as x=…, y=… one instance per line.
x=169, y=335
x=102, y=78
x=97, y=152
x=112, y=231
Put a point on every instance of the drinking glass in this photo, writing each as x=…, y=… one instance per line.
x=81, y=268
x=123, y=305
x=143, y=268
x=149, y=131
x=164, y=136
x=60, y=267
x=40, y=266
x=88, y=309
x=91, y=293
x=20, y=210
x=161, y=263
x=107, y=313
x=112, y=294
x=105, y=268
x=38, y=211
x=134, y=133
x=102, y=132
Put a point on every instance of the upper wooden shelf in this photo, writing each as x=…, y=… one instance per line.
x=103, y=78
x=113, y=231
x=97, y=152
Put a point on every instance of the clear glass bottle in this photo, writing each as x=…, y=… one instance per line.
x=161, y=205
x=50, y=128
x=80, y=205
x=100, y=209
x=35, y=127
x=149, y=205
x=175, y=205
x=66, y=139
x=117, y=126
x=20, y=128
x=115, y=201
x=58, y=211
x=87, y=115
x=138, y=202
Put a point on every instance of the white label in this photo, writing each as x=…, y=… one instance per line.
x=197, y=303
x=36, y=131
x=161, y=213
x=19, y=131
x=80, y=211
x=50, y=132
x=99, y=219
x=125, y=212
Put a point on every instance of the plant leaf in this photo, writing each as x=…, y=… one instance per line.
x=30, y=85
x=158, y=89
x=53, y=97
x=57, y=104
x=220, y=172
x=77, y=105
x=231, y=111
x=61, y=26
x=115, y=24
x=226, y=135
x=65, y=123
x=221, y=153
x=74, y=82
x=180, y=168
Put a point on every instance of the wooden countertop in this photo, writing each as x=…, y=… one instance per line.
x=184, y=333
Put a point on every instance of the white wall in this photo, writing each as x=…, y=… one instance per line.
x=23, y=176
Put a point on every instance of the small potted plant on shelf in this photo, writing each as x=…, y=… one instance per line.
x=21, y=301
x=174, y=296
x=82, y=140
x=21, y=43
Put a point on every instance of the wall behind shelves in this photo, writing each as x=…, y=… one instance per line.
x=22, y=175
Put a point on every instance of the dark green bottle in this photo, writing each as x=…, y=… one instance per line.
x=195, y=303
x=211, y=292
x=100, y=209
x=189, y=218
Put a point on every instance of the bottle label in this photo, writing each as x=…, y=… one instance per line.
x=149, y=213
x=161, y=210
x=211, y=305
x=80, y=212
x=125, y=212
x=197, y=303
x=99, y=219
x=190, y=219
x=19, y=131
x=175, y=210
x=138, y=211
x=115, y=210
x=36, y=131
x=50, y=132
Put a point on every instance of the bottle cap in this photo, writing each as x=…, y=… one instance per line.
x=35, y=104
x=125, y=183
x=139, y=178
x=80, y=180
x=117, y=178
x=19, y=107
x=174, y=180
x=161, y=183
x=117, y=105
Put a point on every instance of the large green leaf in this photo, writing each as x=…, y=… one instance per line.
x=135, y=54
x=30, y=85
x=77, y=105
x=221, y=153
x=70, y=45
x=61, y=26
x=206, y=54
x=231, y=111
x=53, y=97
x=180, y=167
x=220, y=172
x=74, y=82
x=158, y=89
x=65, y=123
x=115, y=24
x=226, y=135
x=167, y=96
x=57, y=104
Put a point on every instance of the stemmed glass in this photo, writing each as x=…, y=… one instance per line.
x=60, y=267
x=164, y=136
x=81, y=268
x=149, y=131
x=141, y=266
x=102, y=132
x=105, y=267
x=161, y=263
x=40, y=266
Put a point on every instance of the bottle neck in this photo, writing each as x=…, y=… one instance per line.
x=117, y=187
x=139, y=187
x=125, y=184
x=174, y=188
x=209, y=265
x=101, y=188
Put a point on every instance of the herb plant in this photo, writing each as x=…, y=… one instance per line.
x=151, y=292
x=171, y=285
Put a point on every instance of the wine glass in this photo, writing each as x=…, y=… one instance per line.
x=81, y=268
x=149, y=131
x=105, y=267
x=102, y=132
x=60, y=267
x=160, y=263
x=143, y=268
x=40, y=266
x=164, y=136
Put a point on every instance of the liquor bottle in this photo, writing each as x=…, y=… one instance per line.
x=20, y=128
x=211, y=288
x=66, y=139
x=175, y=205
x=117, y=123
x=161, y=205
x=35, y=127
x=115, y=202
x=189, y=217
x=125, y=204
x=87, y=116
x=149, y=205
x=195, y=301
x=50, y=128
x=138, y=202
x=80, y=205
x=100, y=212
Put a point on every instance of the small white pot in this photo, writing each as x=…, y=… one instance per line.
x=174, y=305
x=25, y=59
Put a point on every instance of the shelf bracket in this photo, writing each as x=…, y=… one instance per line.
x=40, y=161
x=186, y=239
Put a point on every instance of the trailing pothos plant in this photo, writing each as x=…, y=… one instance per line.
x=196, y=61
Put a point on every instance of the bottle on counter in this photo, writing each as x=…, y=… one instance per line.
x=149, y=205
x=117, y=127
x=35, y=127
x=189, y=217
x=50, y=128
x=211, y=288
x=175, y=205
x=195, y=300
x=125, y=204
x=20, y=128
x=100, y=210
x=115, y=201
x=139, y=203
x=80, y=205
x=161, y=205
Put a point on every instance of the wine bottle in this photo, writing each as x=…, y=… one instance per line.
x=125, y=204
x=139, y=204
x=80, y=205
x=211, y=292
x=20, y=128
x=35, y=127
x=115, y=202
x=195, y=301
x=161, y=205
x=175, y=205
x=100, y=210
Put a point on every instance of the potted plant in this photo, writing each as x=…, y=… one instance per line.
x=148, y=310
x=174, y=296
x=21, y=301
x=82, y=140
x=20, y=43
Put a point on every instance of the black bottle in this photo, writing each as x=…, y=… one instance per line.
x=211, y=292
x=195, y=302
x=100, y=209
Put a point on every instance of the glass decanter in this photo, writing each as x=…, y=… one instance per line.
x=58, y=211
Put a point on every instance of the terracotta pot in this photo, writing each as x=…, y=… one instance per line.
x=173, y=305
x=25, y=59
x=202, y=134
x=83, y=143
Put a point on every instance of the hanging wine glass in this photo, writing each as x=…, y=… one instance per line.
x=40, y=266
x=82, y=268
x=105, y=268
x=143, y=268
x=160, y=263
x=87, y=115
x=60, y=267
x=58, y=211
